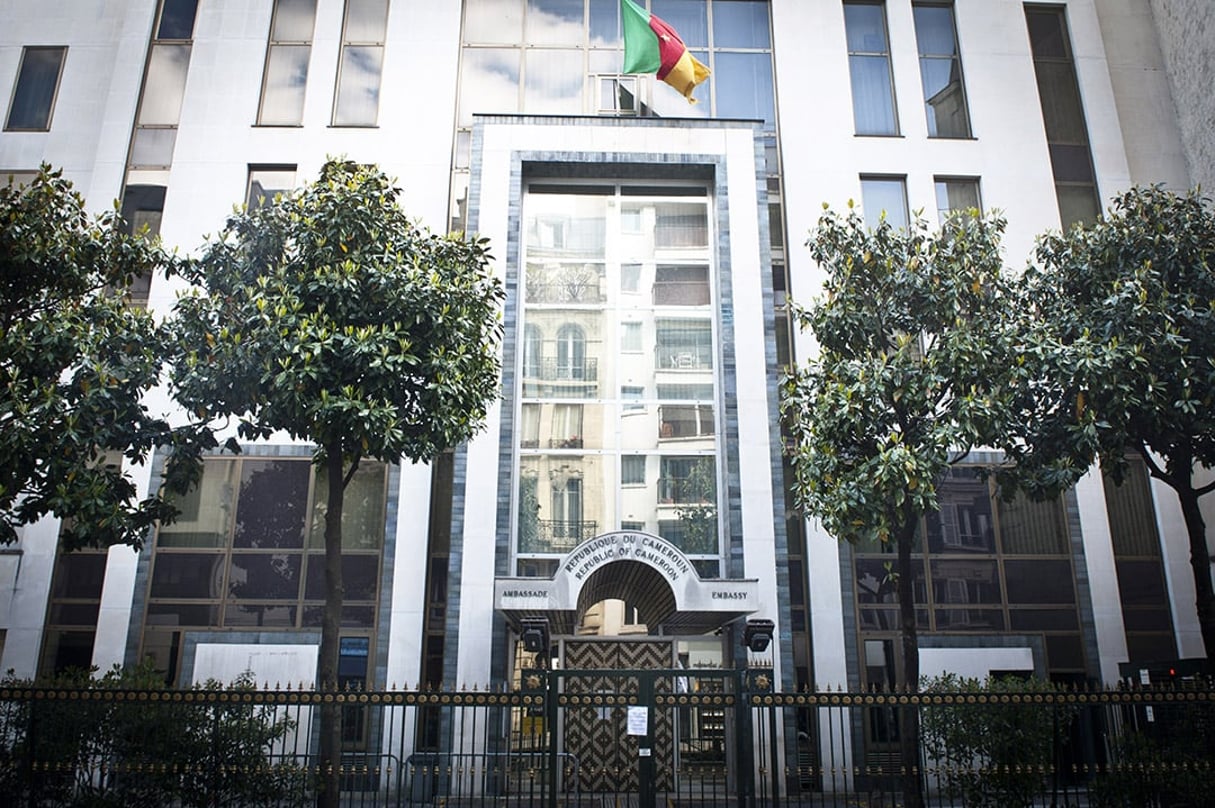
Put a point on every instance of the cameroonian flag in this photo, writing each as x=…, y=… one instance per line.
x=652, y=46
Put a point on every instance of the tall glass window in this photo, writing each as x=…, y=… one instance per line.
x=873, y=109
x=164, y=86
x=610, y=437
x=287, y=54
x=982, y=565
x=34, y=94
x=954, y=194
x=267, y=182
x=247, y=552
x=884, y=198
x=941, y=70
x=364, y=28
x=1063, y=114
x=563, y=57
x=1142, y=587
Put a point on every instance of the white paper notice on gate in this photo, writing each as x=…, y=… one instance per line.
x=639, y=720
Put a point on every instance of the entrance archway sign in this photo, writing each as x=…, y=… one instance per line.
x=700, y=605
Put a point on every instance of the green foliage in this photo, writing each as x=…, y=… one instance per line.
x=75, y=363
x=330, y=316
x=917, y=336
x=103, y=751
x=698, y=516
x=1129, y=301
x=1165, y=762
x=992, y=754
x=1131, y=298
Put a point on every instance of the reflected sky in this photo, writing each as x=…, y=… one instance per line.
x=554, y=22
x=166, y=83
x=556, y=44
x=689, y=18
x=358, y=98
x=555, y=79
x=286, y=79
x=294, y=20
x=490, y=82
x=366, y=20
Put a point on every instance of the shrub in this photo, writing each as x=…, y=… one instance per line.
x=97, y=749
x=992, y=753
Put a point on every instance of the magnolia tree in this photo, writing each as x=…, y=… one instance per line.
x=75, y=363
x=918, y=336
x=329, y=315
x=1129, y=301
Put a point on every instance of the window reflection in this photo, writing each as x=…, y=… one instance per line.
x=941, y=72
x=884, y=197
x=688, y=17
x=605, y=23
x=236, y=556
x=489, y=82
x=974, y=576
x=617, y=417
x=267, y=182
x=287, y=55
x=744, y=87
x=366, y=20
x=357, y=99
x=286, y=80
x=963, y=522
x=493, y=22
x=956, y=194
x=272, y=499
x=869, y=66
x=740, y=24
x=294, y=20
x=165, y=85
x=573, y=58
x=555, y=80
x=554, y=22
x=358, y=96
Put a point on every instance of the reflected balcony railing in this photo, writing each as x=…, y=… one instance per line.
x=554, y=535
x=683, y=491
x=667, y=359
x=588, y=289
x=552, y=370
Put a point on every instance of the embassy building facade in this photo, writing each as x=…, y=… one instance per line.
x=630, y=480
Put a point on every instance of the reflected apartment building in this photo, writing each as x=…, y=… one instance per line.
x=630, y=480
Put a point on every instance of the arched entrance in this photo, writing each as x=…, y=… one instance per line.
x=631, y=566
x=619, y=719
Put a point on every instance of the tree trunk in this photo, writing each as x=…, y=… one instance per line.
x=329, y=781
x=909, y=715
x=1200, y=563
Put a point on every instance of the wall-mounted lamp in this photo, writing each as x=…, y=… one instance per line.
x=534, y=635
x=758, y=635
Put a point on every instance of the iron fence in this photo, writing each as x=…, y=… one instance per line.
x=689, y=740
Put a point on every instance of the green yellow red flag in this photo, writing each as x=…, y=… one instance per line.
x=652, y=46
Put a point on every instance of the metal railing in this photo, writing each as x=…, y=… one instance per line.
x=720, y=738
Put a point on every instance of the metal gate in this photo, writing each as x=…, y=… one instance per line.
x=624, y=728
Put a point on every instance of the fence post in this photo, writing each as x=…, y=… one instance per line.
x=744, y=751
x=215, y=755
x=31, y=740
x=550, y=721
x=645, y=762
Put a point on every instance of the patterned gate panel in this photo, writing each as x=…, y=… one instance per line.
x=595, y=715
